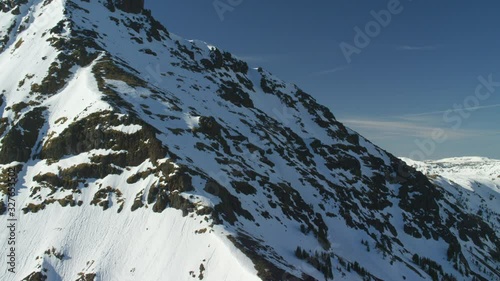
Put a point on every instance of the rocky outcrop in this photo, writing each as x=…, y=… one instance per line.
x=130, y=6
x=8, y=5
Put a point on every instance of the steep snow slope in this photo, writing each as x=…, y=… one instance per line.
x=144, y=156
x=138, y=246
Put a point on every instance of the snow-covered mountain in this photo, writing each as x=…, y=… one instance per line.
x=473, y=183
x=144, y=156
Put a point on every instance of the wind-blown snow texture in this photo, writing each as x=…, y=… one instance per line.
x=144, y=156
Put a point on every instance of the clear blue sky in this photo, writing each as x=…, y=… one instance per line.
x=396, y=90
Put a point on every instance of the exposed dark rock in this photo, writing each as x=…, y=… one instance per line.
x=230, y=205
x=19, y=141
x=35, y=276
x=130, y=6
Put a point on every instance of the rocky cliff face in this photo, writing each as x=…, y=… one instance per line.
x=130, y=6
x=142, y=155
x=10, y=5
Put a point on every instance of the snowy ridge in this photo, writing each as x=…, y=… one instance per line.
x=473, y=181
x=144, y=156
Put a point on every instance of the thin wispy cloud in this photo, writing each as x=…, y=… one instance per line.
x=418, y=48
x=383, y=129
x=453, y=110
x=329, y=71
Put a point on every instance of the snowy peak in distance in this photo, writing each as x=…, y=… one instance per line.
x=472, y=182
x=460, y=167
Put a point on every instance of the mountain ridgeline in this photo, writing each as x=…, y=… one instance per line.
x=129, y=6
x=144, y=156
